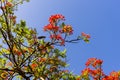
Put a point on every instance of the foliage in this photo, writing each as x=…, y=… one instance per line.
x=25, y=55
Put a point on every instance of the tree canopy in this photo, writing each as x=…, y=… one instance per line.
x=27, y=56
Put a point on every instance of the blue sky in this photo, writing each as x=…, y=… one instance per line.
x=99, y=18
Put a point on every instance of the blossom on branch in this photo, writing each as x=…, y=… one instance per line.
x=67, y=29
x=51, y=28
x=55, y=18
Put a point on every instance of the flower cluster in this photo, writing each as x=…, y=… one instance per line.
x=94, y=62
x=57, y=30
x=51, y=27
x=58, y=36
x=67, y=29
x=26, y=56
x=96, y=72
x=85, y=35
x=113, y=76
x=55, y=18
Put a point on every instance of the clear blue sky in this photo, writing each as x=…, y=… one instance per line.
x=99, y=18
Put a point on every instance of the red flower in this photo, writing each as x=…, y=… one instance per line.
x=108, y=78
x=51, y=27
x=57, y=37
x=90, y=61
x=85, y=35
x=98, y=62
x=94, y=62
x=19, y=53
x=52, y=36
x=113, y=76
x=54, y=18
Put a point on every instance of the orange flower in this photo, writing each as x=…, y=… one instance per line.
x=108, y=78
x=30, y=49
x=16, y=51
x=19, y=53
x=34, y=65
x=67, y=29
x=86, y=71
x=115, y=75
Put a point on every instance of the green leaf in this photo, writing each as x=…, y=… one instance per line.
x=0, y=36
x=42, y=42
x=19, y=77
x=67, y=65
x=27, y=0
x=63, y=53
x=62, y=25
x=64, y=77
x=23, y=23
x=56, y=50
x=86, y=40
x=10, y=0
x=4, y=61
